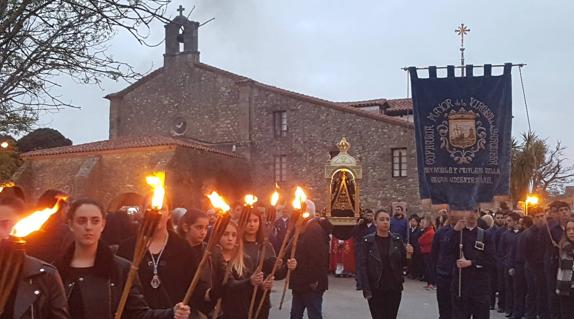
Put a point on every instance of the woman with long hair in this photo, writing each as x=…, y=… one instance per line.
x=192, y=227
x=94, y=278
x=383, y=256
x=253, y=246
x=236, y=292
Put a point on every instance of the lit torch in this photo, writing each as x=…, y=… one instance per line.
x=267, y=225
x=6, y=185
x=302, y=215
x=216, y=233
x=12, y=250
x=146, y=230
x=282, y=250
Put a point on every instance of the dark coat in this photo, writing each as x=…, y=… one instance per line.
x=176, y=269
x=414, y=235
x=476, y=278
x=518, y=252
x=236, y=293
x=507, y=243
x=279, y=232
x=441, y=255
x=497, y=232
x=40, y=293
x=46, y=244
x=102, y=291
x=372, y=266
x=312, y=257
x=399, y=226
x=534, y=255
x=362, y=229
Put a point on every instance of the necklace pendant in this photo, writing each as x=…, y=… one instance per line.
x=155, y=282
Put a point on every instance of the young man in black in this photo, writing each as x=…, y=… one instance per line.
x=475, y=253
x=444, y=263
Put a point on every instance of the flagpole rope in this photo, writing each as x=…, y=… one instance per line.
x=524, y=97
x=408, y=86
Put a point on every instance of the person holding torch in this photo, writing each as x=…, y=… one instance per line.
x=94, y=276
x=38, y=292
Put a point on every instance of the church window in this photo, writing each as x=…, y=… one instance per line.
x=280, y=168
x=280, y=123
x=399, y=162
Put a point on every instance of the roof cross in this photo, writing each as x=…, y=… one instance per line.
x=462, y=30
x=180, y=10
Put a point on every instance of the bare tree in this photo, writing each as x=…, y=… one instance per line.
x=41, y=39
x=538, y=166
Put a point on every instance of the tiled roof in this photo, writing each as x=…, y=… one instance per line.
x=365, y=103
x=304, y=97
x=345, y=107
x=393, y=104
x=400, y=104
x=123, y=143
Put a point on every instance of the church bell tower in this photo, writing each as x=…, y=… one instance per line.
x=181, y=39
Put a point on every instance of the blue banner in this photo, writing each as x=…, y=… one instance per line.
x=463, y=135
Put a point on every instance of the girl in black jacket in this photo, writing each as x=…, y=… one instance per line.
x=94, y=278
x=236, y=293
x=383, y=256
x=38, y=292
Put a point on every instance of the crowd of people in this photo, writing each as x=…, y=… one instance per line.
x=518, y=264
x=77, y=264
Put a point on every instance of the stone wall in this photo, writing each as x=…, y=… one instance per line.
x=107, y=175
x=314, y=131
x=209, y=102
x=224, y=108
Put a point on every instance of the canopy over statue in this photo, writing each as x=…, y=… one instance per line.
x=343, y=174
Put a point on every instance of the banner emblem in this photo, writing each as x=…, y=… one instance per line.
x=461, y=135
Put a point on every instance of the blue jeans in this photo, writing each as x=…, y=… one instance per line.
x=312, y=301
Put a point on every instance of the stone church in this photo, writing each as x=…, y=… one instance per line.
x=210, y=128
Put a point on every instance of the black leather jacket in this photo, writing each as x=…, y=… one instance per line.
x=102, y=290
x=40, y=292
x=372, y=266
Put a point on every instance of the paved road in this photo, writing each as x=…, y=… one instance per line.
x=342, y=301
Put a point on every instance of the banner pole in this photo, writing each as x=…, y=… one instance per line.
x=462, y=66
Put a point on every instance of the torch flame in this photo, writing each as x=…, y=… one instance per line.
x=306, y=215
x=6, y=185
x=157, y=182
x=274, y=198
x=34, y=221
x=300, y=198
x=218, y=202
x=250, y=199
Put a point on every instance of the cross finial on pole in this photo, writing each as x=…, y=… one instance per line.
x=462, y=30
x=180, y=10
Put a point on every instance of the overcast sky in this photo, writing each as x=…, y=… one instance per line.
x=354, y=50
